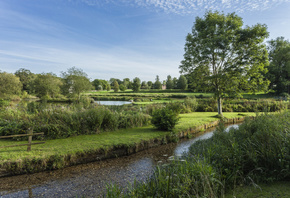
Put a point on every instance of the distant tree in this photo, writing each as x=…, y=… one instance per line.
x=116, y=86
x=47, y=85
x=122, y=87
x=174, y=83
x=150, y=84
x=127, y=83
x=76, y=81
x=26, y=77
x=144, y=85
x=100, y=88
x=235, y=56
x=9, y=84
x=182, y=83
x=279, y=69
x=109, y=87
x=112, y=80
x=157, y=84
x=97, y=82
x=169, y=83
x=136, y=85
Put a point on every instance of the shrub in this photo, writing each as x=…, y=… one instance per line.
x=164, y=119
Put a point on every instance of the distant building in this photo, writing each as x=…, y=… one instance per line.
x=163, y=87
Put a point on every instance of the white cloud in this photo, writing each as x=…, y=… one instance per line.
x=184, y=7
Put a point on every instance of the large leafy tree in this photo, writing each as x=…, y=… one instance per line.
x=76, y=81
x=46, y=85
x=9, y=85
x=279, y=69
x=235, y=56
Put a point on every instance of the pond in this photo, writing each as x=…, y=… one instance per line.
x=90, y=179
x=118, y=103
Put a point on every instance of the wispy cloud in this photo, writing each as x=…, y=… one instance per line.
x=184, y=7
x=97, y=63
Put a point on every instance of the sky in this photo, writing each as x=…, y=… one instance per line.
x=116, y=38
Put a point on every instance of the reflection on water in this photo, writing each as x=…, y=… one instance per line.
x=118, y=103
x=184, y=145
x=90, y=179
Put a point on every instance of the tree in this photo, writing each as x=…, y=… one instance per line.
x=116, y=86
x=26, y=77
x=198, y=80
x=279, y=68
x=10, y=84
x=109, y=87
x=136, y=85
x=174, y=83
x=150, y=84
x=75, y=82
x=235, y=56
x=127, y=83
x=46, y=85
x=182, y=83
x=122, y=87
x=157, y=84
x=144, y=85
x=97, y=82
x=169, y=83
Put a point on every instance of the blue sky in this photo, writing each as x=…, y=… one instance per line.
x=115, y=38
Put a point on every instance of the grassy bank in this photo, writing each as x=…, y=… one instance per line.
x=84, y=144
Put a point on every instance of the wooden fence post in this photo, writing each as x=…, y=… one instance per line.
x=30, y=132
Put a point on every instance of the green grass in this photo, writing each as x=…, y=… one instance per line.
x=199, y=118
x=128, y=92
x=104, y=140
x=276, y=189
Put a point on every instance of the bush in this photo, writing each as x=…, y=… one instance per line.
x=164, y=119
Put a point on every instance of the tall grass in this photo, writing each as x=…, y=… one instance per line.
x=259, y=151
x=61, y=121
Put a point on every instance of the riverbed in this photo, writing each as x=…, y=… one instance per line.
x=90, y=179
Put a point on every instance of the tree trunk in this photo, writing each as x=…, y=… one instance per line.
x=219, y=101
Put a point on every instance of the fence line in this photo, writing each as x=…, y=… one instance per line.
x=29, y=134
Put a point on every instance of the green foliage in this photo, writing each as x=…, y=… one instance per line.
x=10, y=85
x=97, y=83
x=116, y=86
x=26, y=78
x=62, y=121
x=122, y=87
x=136, y=85
x=157, y=84
x=258, y=150
x=234, y=58
x=75, y=82
x=279, y=69
x=169, y=83
x=164, y=119
x=182, y=83
x=46, y=85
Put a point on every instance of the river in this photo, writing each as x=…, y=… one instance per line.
x=90, y=179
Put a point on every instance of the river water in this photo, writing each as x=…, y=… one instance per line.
x=90, y=179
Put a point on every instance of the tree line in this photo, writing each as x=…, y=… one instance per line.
x=73, y=82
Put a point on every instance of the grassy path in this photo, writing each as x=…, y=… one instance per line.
x=83, y=143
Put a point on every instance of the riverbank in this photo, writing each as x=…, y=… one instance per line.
x=56, y=154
